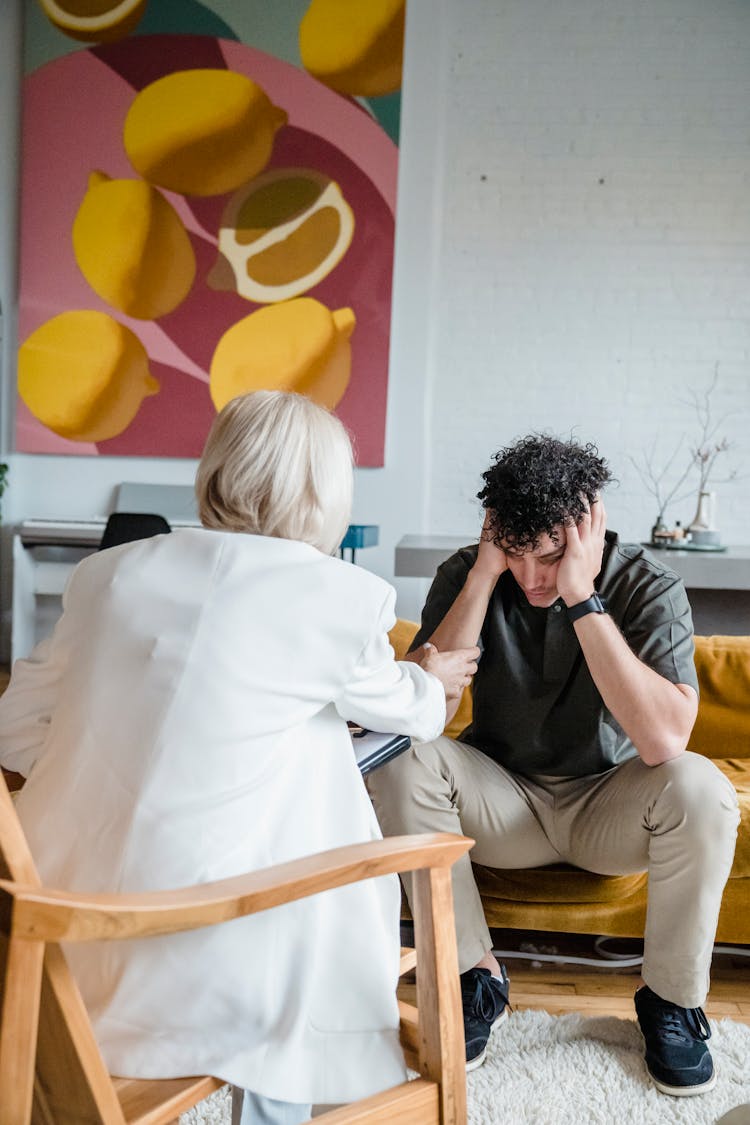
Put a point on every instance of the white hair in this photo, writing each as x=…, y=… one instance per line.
x=277, y=464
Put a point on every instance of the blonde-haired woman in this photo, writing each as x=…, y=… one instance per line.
x=186, y=722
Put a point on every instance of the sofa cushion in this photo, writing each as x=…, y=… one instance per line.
x=722, y=729
x=558, y=882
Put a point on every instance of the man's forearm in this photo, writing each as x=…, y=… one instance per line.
x=656, y=714
x=462, y=624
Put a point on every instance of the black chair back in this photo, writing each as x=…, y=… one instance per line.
x=124, y=527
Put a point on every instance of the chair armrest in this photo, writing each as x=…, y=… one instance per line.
x=44, y=914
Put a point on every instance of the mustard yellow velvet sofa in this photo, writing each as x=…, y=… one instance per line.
x=562, y=898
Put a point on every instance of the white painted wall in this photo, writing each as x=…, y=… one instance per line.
x=573, y=254
x=594, y=259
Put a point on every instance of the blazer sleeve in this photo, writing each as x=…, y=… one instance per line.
x=26, y=708
x=383, y=694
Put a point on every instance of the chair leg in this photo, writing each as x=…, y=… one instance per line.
x=19, y=1023
x=441, y=1039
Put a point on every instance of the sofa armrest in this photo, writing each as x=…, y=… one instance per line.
x=722, y=729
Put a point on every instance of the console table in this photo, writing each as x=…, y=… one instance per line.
x=718, y=582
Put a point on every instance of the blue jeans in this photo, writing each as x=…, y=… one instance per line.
x=253, y=1109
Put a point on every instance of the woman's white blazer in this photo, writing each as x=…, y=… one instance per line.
x=186, y=722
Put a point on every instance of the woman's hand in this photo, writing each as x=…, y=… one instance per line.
x=454, y=669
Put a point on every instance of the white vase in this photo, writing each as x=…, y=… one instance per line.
x=702, y=529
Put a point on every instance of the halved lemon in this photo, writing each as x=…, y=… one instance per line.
x=94, y=21
x=281, y=234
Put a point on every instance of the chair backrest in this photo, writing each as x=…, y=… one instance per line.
x=124, y=527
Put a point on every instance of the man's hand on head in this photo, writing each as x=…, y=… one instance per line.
x=491, y=559
x=582, y=561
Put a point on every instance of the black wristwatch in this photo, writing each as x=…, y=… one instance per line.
x=594, y=604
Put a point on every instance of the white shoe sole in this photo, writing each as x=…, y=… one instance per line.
x=480, y=1058
x=684, y=1091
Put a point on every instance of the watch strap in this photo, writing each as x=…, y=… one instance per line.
x=594, y=604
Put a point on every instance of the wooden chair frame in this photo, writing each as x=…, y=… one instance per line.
x=51, y=1070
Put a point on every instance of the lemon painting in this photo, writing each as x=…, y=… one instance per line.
x=201, y=217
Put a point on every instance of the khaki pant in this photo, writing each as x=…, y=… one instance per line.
x=678, y=821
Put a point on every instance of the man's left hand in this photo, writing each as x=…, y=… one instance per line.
x=582, y=561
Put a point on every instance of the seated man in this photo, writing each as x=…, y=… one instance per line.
x=584, y=701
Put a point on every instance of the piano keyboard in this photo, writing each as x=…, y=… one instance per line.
x=70, y=533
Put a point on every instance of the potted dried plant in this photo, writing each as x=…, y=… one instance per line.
x=702, y=456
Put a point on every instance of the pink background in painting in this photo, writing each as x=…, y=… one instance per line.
x=74, y=109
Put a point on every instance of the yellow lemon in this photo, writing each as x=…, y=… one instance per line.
x=84, y=375
x=354, y=46
x=94, y=21
x=201, y=132
x=298, y=345
x=282, y=234
x=132, y=248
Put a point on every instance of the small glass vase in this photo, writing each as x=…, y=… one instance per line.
x=660, y=533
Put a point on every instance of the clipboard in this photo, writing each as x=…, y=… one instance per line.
x=372, y=749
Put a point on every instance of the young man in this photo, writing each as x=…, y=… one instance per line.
x=584, y=701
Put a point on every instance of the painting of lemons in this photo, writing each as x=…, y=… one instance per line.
x=222, y=220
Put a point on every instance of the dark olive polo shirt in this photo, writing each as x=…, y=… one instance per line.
x=536, y=708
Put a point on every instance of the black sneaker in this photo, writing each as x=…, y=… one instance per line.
x=677, y=1057
x=485, y=1004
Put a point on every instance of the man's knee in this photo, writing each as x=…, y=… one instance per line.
x=417, y=766
x=695, y=788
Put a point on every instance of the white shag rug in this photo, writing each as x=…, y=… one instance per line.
x=575, y=1070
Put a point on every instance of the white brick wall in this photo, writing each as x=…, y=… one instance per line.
x=594, y=245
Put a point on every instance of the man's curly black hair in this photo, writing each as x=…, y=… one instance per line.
x=538, y=483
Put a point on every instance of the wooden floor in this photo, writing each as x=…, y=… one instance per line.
x=606, y=990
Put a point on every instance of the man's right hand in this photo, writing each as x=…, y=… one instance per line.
x=454, y=669
x=491, y=559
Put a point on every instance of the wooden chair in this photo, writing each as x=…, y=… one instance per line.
x=51, y=1071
